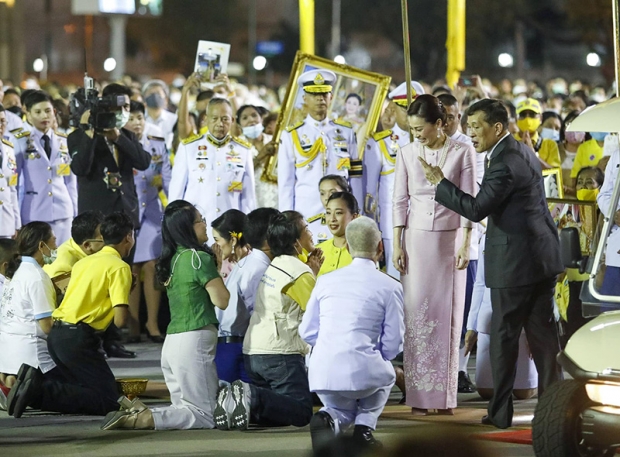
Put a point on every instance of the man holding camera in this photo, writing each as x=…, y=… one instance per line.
x=104, y=155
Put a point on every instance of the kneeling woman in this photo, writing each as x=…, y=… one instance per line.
x=194, y=287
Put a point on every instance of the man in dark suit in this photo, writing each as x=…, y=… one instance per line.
x=522, y=252
x=104, y=160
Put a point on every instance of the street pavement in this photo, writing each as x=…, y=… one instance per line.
x=43, y=434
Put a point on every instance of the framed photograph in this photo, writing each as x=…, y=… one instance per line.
x=554, y=187
x=358, y=97
x=211, y=60
x=576, y=213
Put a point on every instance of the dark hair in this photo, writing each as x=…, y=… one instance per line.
x=10, y=254
x=510, y=108
x=441, y=90
x=115, y=227
x=177, y=230
x=429, y=108
x=340, y=182
x=257, y=223
x=448, y=100
x=354, y=95
x=570, y=117
x=243, y=108
x=599, y=176
x=295, y=217
x=38, y=96
x=204, y=94
x=85, y=225
x=136, y=107
x=550, y=114
x=282, y=235
x=494, y=111
x=25, y=94
x=11, y=90
x=232, y=220
x=348, y=198
x=270, y=118
x=28, y=240
x=116, y=89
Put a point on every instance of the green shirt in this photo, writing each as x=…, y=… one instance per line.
x=191, y=307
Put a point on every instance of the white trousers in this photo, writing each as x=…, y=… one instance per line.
x=62, y=230
x=527, y=376
x=388, y=252
x=187, y=360
x=359, y=407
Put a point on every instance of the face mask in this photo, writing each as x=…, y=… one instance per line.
x=49, y=259
x=16, y=110
x=253, y=131
x=575, y=137
x=528, y=124
x=587, y=194
x=175, y=98
x=550, y=134
x=558, y=88
x=122, y=117
x=155, y=100
x=599, y=136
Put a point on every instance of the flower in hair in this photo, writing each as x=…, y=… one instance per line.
x=236, y=235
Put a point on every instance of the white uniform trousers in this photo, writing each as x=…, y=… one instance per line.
x=62, y=230
x=388, y=252
x=527, y=376
x=187, y=360
x=359, y=407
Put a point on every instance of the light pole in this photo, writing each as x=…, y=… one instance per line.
x=117, y=44
x=306, y=26
x=336, y=30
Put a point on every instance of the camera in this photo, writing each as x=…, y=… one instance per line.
x=87, y=98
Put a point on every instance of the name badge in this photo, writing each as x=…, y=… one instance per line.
x=235, y=186
x=63, y=169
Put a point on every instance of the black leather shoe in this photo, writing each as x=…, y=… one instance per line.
x=465, y=386
x=322, y=429
x=12, y=397
x=27, y=391
x=486, y=420
x=403, y=400
x=363, y=435
x=119, y=351
x=159, y=339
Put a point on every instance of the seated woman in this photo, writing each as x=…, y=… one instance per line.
x=273, y=350
x=341, y=209
x=234, y=320
x=194, y=287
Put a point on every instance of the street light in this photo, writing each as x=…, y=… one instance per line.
x=259, y=63
x=340, y=59
x=38, y=65
x=505, y=60
x=109, y=64
x=593, y=59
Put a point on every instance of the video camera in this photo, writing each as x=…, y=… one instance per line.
x=87, y=98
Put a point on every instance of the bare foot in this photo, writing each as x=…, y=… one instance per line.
x=445, y=412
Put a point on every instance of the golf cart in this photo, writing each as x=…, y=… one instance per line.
x=581, y=416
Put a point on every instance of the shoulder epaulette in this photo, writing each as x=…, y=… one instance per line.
x=343, y=123
x=17, y=130
x=290, y=128
x=191, y=139
x=242, y=142
x=60, y=134
x=380, y=135
x=315, y=218
x=22, y=134
x=7, y=142
x=155, y=138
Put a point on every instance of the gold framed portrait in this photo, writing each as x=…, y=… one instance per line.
x=583, y=215
x=358, y=97
x=554, y=187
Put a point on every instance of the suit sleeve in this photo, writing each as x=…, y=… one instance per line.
x=248, y=195
x=607, y=189
x=132, y=151
x=82, y=151
x=496, y=186
x=393, y=325
x=286, y=173
x=309, y=327
x=401, y=192
x=372, y=173
x=166, y=171
x=180, y=172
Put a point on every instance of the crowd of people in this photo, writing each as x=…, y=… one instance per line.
x=274, y=288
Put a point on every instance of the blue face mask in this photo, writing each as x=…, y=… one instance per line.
x=599, y=136
x=550, y=134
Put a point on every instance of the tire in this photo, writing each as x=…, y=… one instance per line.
x=556, y=428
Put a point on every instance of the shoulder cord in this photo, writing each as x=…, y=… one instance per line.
x=194, y=257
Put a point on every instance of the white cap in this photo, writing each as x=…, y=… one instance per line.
x=317, y=81
x=399, y=95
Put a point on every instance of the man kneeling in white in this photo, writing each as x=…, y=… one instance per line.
x=354, y=320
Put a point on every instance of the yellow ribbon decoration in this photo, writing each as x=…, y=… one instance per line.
x=318, y=146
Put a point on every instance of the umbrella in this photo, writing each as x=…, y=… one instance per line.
x=604, y=117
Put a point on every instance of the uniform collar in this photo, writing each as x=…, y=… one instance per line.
x=30, y=260
x=312, y=121
x=363, y=262
x=218, y=143
x=110, y=250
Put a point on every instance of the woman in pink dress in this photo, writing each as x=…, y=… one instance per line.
x=431, y=251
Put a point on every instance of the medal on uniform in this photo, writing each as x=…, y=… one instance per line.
x=202, y=166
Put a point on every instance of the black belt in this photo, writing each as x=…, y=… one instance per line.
x=59, y=323
x=230, y=339
x=62, y=324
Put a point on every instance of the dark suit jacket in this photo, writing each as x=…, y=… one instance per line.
x=522, y=245
x=90, y=157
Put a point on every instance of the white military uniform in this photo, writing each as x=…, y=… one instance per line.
x=312, y=149
x=612, y=256
x=10, y=217
x=355, y=321
x=214, y=175
x=14, y=122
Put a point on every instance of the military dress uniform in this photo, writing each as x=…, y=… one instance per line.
x=148, y=241
x=10, y=218
x=312, y=149
x=214, y=175
x=48, y=188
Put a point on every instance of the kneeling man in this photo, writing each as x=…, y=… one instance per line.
x=354, y=320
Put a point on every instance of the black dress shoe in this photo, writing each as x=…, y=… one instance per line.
x=12, y=397
x=27, y=391
x=465, y=386
x=363, y=435
x=322, y=429
x=159, y=339
x=118, y=350
x=403, y=400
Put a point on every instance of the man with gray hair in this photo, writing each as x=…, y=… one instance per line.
x=355, y=331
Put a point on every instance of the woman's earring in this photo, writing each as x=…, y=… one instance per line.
x=438, y=133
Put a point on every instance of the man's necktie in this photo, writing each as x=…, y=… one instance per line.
x=46, y=146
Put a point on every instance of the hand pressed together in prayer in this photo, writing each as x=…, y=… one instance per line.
x=434, y=175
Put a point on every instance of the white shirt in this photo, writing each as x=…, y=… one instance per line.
x=152, y=130
x=612, y=258
x=165, y=122
x=28, y=297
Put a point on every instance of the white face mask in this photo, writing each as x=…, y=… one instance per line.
x=49, y=259
x=253, y=131
x=122, y=117
x=550, y=134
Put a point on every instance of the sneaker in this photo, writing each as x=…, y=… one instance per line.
x=222, y=414
x=322, y=429
x=241, y=405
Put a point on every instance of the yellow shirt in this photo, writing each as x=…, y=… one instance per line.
x=334, y=257
x=69, y=253
x=99, y=282
x=548, y=151
x=588, y=155
x=301, y=290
